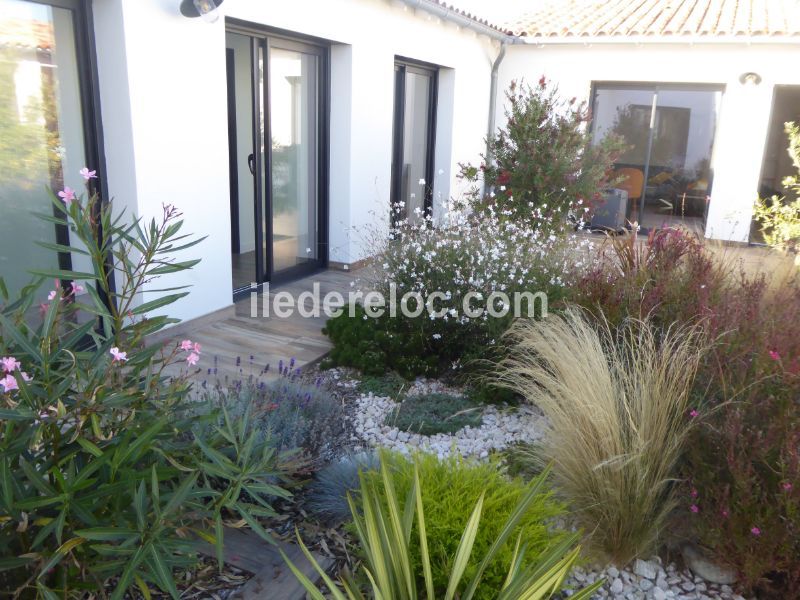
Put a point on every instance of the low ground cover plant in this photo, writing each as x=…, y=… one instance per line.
x=618, y=407
x=429, y=414
x=398, y=534
x=101, y=477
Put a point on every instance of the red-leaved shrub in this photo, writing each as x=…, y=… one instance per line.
x=742, y=466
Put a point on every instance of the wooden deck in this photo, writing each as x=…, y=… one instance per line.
x=240, y=345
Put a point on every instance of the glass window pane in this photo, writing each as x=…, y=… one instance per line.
x=41, y=131
x=415, y=144
x=679, y=176
x=293, y=93
x=626, y=113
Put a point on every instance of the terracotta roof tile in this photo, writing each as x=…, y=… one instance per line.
x=660, y=18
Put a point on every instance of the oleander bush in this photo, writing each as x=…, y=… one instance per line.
x=618, y=410
x=400, y=536
x=102, y=481
x=429, y=414
x=543, y=165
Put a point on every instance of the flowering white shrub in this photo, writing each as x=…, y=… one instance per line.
x=467, y=277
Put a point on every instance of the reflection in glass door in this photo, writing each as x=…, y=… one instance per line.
x=42, y=142
x=275, y=128
x=414, y=129
x=669, y=130
x=293, y=102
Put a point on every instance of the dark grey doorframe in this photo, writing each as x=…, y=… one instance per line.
x=403, y=67
x=263, y=41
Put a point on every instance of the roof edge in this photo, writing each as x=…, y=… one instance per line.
x=464, y=19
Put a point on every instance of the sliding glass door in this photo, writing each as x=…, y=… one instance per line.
x=46, y=133
x=669, y=130
x=277, y=133
x=414, y=138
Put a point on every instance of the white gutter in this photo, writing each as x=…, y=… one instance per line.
x=456, y=17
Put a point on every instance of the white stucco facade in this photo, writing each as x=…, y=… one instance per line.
x=162, y=87
x=162, y=83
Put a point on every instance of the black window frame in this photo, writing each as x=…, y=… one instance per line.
x=91, y=116
x=402, y=66
x=264, y=36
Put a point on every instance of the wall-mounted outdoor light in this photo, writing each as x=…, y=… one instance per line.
x=201, y=8
x=750, y=79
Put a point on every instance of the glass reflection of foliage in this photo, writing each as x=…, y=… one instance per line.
x=21, y=145
x=632, y=123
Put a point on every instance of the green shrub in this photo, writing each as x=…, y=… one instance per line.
x=618, y=408
x=429, y=414
x=450, y=488
x=375, y=346
x=100, y=475
x=395, y=533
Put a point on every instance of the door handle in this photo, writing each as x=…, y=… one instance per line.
x=251, y=162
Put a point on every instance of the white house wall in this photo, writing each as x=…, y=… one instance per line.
x=743, y=122
x=162, y=84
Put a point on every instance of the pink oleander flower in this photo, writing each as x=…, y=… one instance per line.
x=755, y=531
x=118, y=356
x=25, y=376
x=193, y=358
x=693, y=413
x=787, y=487
x=67, y=195
x=10, y=364
x=9, y=383
x=694, y=493
x=87, y=174
x=773, y=354
x=725, y=514
x=197, y=347
x=77, y=288
x=186, y=345
x=694, y=508
x=52, y=295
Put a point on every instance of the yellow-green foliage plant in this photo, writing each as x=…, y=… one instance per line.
x=779, y=217
x=450, y=489
x=389, y=531
x=619, y=412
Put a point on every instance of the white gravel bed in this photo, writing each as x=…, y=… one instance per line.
x=500, y=428
x=648, y=580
